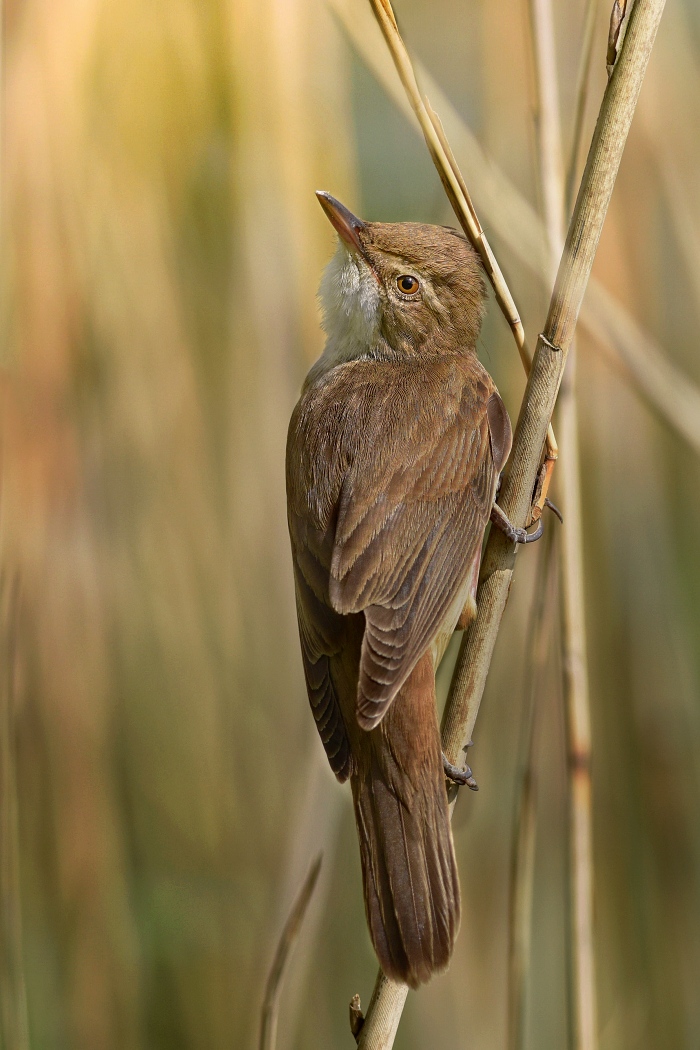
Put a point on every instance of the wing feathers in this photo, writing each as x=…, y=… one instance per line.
x=396, y=635
x=320, y=634
x=402, y=462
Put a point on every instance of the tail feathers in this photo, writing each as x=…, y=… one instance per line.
x=409, y=872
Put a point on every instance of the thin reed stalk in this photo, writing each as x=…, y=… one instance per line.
x=578, y=732
x=547, y=127
x=582, y=81
x=524, y=827
x=543, y=383
x=550, y=358
x=685, y=228
x=14, y=1020
x=14, y=1026
x=455, y=186
x=314, y=829
x=627, y=347
x=582, y=998
x=280, y=963
x=546, y=121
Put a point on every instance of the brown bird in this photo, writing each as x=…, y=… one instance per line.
x=393, y=458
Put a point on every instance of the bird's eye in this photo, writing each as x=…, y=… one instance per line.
x=407, y=284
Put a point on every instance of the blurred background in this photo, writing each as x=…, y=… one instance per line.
x=162, y=250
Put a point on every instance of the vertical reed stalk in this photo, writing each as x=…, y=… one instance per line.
x=578, y=731
x=683, y=222
x=280, y=963
x=14, y=1027
x=613, y=124
x=541, y=391
x=522, y=877
x=547, y=128
x=582, y=80
x=14, y=1023
x=455, y=188
x=577, y=702
x=383, y=1014
x=546, y=121
x=525, y=808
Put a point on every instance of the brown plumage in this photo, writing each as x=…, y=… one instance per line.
x=393, y=456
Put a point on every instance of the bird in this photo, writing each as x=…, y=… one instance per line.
x=394, y=454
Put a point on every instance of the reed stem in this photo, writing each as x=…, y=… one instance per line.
x=288, y=938
x=581, y=969
x=524, y=827
x=582, y=82
x=583, y=1008
x=582, y=997
x=474, y=659
x=454, y=185
x=14, y=1025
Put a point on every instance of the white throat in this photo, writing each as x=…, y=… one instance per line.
x=350, y=302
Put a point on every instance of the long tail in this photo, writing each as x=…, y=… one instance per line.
x=408, y=865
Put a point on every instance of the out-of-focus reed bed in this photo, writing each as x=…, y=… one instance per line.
x=162, y=250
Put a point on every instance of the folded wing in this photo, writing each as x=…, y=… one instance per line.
x=412, y=511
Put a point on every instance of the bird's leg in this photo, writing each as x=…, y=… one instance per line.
x=540, y=500
x=459, y=776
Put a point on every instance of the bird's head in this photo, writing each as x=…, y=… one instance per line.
x=398, y=289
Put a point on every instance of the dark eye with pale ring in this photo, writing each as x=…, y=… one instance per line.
x=407, y=284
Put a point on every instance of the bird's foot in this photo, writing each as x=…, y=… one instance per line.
x=516, y=534
x=513, y=532
x=459, y=776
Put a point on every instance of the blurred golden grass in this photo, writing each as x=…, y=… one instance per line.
x=162, y=252
x=155, y=344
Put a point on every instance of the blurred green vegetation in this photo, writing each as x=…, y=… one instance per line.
x=162, y=252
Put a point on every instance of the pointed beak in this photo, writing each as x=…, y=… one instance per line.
x=347, y=225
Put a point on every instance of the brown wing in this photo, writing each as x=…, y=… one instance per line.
x=413, y=508
x=322, y=631
x=390, y=481
x=321, y=639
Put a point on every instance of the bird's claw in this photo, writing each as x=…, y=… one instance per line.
x=513, y=532
x=459, y=776
x=554, y=509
